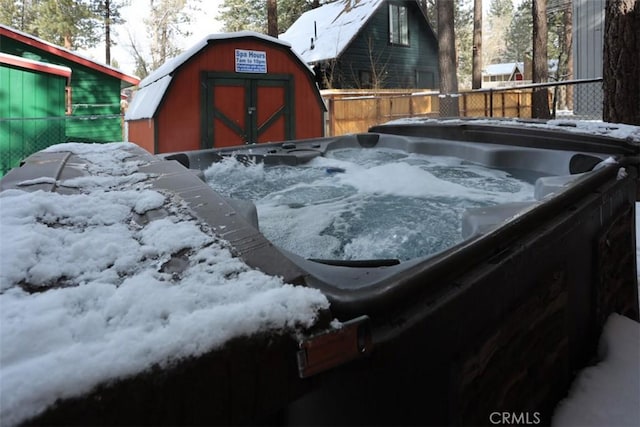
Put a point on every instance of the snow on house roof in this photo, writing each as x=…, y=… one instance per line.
x=502, y=69
x=38, y=43
x=30, y=64
x=332, y=28
x=153, y=87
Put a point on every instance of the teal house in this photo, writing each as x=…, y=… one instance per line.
x=50, y=95
x=367, y=44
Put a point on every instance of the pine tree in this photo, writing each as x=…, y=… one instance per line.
x=251, y=15
x=108, y=13
x=540, y=67
x=519, y=34
x=69, y=23
x=476, y=72
x=621, y=68
x=447, y=59
x=168, y=20
x=496, y=29
x=463, y=23
x=18, y=14
x=243, y=15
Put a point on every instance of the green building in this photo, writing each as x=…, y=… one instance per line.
x=367, y=44
x=50, y=95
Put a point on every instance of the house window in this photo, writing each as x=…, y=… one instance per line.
x=365, y=79
x=398, y=25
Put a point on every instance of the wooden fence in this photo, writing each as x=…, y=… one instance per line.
x=356, y=111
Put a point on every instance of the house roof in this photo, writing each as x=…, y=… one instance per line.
x=153, y=87
x=325, y=32
x=511, y=67
x=502, y=69
x=29, y=64
x=31, y=40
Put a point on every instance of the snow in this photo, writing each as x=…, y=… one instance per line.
x=146, y=101
x=84, y=298
x=332, y=27
x=607, y=394
x=620, y=131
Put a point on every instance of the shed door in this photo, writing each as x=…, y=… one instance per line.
x=246, y=109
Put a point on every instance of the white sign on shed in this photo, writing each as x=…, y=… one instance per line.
x=251, y=61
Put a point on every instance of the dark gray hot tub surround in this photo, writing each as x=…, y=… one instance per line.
x=499, y=322
x=516, y=307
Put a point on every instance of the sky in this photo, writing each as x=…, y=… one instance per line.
x=203, y=23
x=109, y=311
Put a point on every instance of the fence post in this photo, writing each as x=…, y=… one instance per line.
x=332, y=116
x=490, y=102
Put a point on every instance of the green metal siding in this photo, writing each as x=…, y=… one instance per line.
x=403, y=66
x=96, y=107
x=95, y=96
x=32, y=109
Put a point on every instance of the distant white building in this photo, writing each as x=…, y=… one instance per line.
x=501, y=75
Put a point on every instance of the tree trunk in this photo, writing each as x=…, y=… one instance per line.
x=540, y=97
x=447, y=60
x=272, y=18
x=476, y=72
x=568, y=45
x=621, y=65
x=107, y=31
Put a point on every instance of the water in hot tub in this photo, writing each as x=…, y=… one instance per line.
x=357, y=204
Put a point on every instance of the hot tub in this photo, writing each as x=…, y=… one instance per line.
x=496, y=322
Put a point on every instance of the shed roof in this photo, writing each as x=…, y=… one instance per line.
x=30, y=64
x=174, y=63
x=153, y=87
x=332, y=28
x=38, y=43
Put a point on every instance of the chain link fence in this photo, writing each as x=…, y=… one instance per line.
x=21, y=137
x=576, y=99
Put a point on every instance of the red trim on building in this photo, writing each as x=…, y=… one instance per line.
x=35, y=65
x=59, y=51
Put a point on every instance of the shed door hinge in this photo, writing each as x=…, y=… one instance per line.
x=329, y=349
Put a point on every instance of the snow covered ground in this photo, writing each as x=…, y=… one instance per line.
x=110, y=310
x=608, y=394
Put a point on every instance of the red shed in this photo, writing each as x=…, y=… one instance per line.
x=228, y=89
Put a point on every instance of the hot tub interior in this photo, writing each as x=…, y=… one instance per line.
x=384, y=199
x=373, y=203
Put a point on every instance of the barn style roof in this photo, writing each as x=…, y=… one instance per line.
x=153, y=87
x=43, y=45
x=325, y=32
